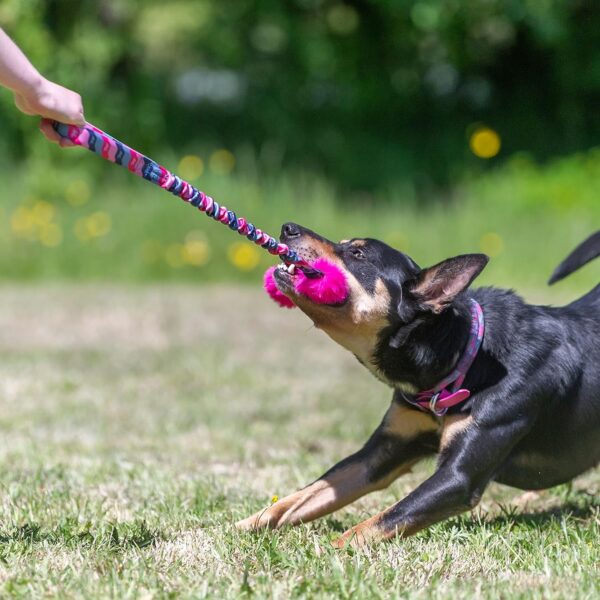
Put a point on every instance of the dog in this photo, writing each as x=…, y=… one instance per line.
x=527, y=413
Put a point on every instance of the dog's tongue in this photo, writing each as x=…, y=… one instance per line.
x=331, y=288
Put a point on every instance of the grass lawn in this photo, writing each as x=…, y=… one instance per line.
x=137, y=424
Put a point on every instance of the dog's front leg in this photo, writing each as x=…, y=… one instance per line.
x=467, y=463
x=405, y=436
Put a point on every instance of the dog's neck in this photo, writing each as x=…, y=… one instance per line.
x=427, y=351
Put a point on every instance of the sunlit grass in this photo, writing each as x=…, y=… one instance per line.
x=138, y=424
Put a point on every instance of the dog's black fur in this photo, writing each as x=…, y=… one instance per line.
x=533, y=418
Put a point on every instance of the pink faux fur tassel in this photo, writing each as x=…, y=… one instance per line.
x=331, y=288
x=273, y=291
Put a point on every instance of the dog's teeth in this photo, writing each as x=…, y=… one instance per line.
x=291, y=269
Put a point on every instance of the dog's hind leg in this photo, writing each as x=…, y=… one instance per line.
x=404, y=437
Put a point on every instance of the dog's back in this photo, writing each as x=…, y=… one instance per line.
x=564, y=440
x=589, y=302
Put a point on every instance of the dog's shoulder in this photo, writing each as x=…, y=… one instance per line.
x=517, y=333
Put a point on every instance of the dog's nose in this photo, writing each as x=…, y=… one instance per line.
x=290, y=231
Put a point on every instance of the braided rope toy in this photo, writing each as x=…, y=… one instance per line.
x=321, y=286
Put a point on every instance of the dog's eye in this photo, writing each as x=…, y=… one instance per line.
x=357, y=253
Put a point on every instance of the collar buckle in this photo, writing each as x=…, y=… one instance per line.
x=438, y=412
x=450, y=392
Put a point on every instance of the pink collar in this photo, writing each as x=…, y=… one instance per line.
x=448, y=392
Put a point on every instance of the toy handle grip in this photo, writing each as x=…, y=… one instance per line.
x=63, y=130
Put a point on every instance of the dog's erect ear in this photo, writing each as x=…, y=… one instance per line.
x=436, y=287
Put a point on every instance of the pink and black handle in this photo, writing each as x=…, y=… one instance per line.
x=117, y=152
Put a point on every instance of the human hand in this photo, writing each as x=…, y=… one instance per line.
x=52, y=102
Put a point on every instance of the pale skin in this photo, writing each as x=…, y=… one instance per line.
x=35, y=95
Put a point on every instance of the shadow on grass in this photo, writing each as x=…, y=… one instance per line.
x=582, y=508
x=574, y=509
x=110, y=536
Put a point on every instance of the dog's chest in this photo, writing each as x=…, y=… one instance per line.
x=364, y=350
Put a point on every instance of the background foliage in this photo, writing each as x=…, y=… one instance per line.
x=367, y=118
x=60, y=223
x=366, y=92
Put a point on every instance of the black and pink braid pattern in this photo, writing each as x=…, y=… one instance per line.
x=113, y=150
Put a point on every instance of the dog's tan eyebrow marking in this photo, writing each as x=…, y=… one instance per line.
x=359, y=243
x=344, y=241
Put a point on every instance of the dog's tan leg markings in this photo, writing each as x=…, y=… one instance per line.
x=372, y=530
x=362, y=534
x=403, y=438
x=407, y=423
x=462, y=475
x=325, y=495
x=452, y=426
x=524, y=500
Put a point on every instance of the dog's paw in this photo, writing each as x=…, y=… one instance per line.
x=360, y=536
x=526, y=499
x=260, y=520
x=350, y=539
x=247, y=524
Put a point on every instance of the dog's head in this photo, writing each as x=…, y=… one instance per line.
x=389, y=294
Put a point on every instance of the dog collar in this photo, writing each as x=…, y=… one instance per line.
x=447, y=392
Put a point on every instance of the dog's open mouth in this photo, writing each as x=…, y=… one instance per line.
x=330, y=289
x=284, y=277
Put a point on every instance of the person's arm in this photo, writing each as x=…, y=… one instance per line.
x=36, y=95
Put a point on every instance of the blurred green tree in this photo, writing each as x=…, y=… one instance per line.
x=369, y=92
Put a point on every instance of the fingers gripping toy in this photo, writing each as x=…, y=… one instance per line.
x=322, y=282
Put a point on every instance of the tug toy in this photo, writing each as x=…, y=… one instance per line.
x=322, y=282
x=330, y=288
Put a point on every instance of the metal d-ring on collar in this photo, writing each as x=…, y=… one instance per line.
x=447, y=392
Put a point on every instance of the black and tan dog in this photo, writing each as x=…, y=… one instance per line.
x=532, y=420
